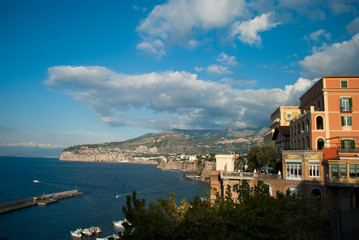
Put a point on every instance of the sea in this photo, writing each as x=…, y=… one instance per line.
x=105, y=187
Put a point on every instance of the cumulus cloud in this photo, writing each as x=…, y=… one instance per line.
x=336, y=59
x=176, y=21
x=247, y=31
x=170, y=99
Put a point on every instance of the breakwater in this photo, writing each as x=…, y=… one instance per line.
x=37, y=200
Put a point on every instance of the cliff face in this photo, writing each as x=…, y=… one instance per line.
x=202, y=169
x=93, y=155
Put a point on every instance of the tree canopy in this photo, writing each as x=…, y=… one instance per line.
x=253, y=215
x=261, y=155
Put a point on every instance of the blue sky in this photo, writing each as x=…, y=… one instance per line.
x=76, y=72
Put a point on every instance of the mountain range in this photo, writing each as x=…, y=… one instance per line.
x=168, y=143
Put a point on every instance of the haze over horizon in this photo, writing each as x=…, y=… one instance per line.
x=93, y=71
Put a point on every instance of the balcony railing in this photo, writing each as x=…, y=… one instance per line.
x=348, y=150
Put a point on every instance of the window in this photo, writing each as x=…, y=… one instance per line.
x=347, y=145
x=316, y=193
x=345, y=104
x=346, y=121
x=289, y=117
x=320, y=144
x=314, y=169
x=342, y=170
x=338, y=170
x=334, y=170
x=344, y=83
x=354, y=170
x=294, y=170
x=320, y=123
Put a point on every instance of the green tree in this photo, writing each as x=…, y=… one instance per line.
x=261, y=155
x=253, y=215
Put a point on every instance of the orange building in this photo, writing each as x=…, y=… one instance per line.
x=323, y=154
x=329, y=116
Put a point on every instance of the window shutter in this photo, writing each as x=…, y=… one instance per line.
x=342, y=121
x=350, y=104
x=350, y=120
x=343, y=144
x=340, y=102
x=352, y=144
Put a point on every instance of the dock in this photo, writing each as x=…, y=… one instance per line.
x=37, y=200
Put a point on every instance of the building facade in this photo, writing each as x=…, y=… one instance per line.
x=321, y=154
x=280, y=117
x=329, y=115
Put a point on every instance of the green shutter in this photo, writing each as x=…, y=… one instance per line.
x=340, y=102
x=352, y=144
x=350, y=120
x=350, y=104
x=342, y=121
x=343, y=144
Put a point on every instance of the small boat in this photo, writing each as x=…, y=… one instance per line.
x=119, y=224
x=87, y=232
x=77, y=233
x=95, y=230
x=35, y=181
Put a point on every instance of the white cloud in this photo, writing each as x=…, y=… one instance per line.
x=317, y=34
x=247, y=31
x=353, y=27
x=176, y=22
x=153, y=47
x=218, y=69
x=228, y=60
x=336, y=59
x=170, y=99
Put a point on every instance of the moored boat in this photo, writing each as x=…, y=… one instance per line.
x=77, y=233
x=95, y=230
x=87, y=232
x=119, y=224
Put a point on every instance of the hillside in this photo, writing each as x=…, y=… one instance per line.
x=167, y=143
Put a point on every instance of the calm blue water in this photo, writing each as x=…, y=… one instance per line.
x=100, y=182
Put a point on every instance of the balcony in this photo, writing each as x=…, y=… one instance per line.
x=348, y=150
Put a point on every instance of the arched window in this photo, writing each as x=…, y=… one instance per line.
x=320, y=125
x=316, y=193
x=320, y=143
